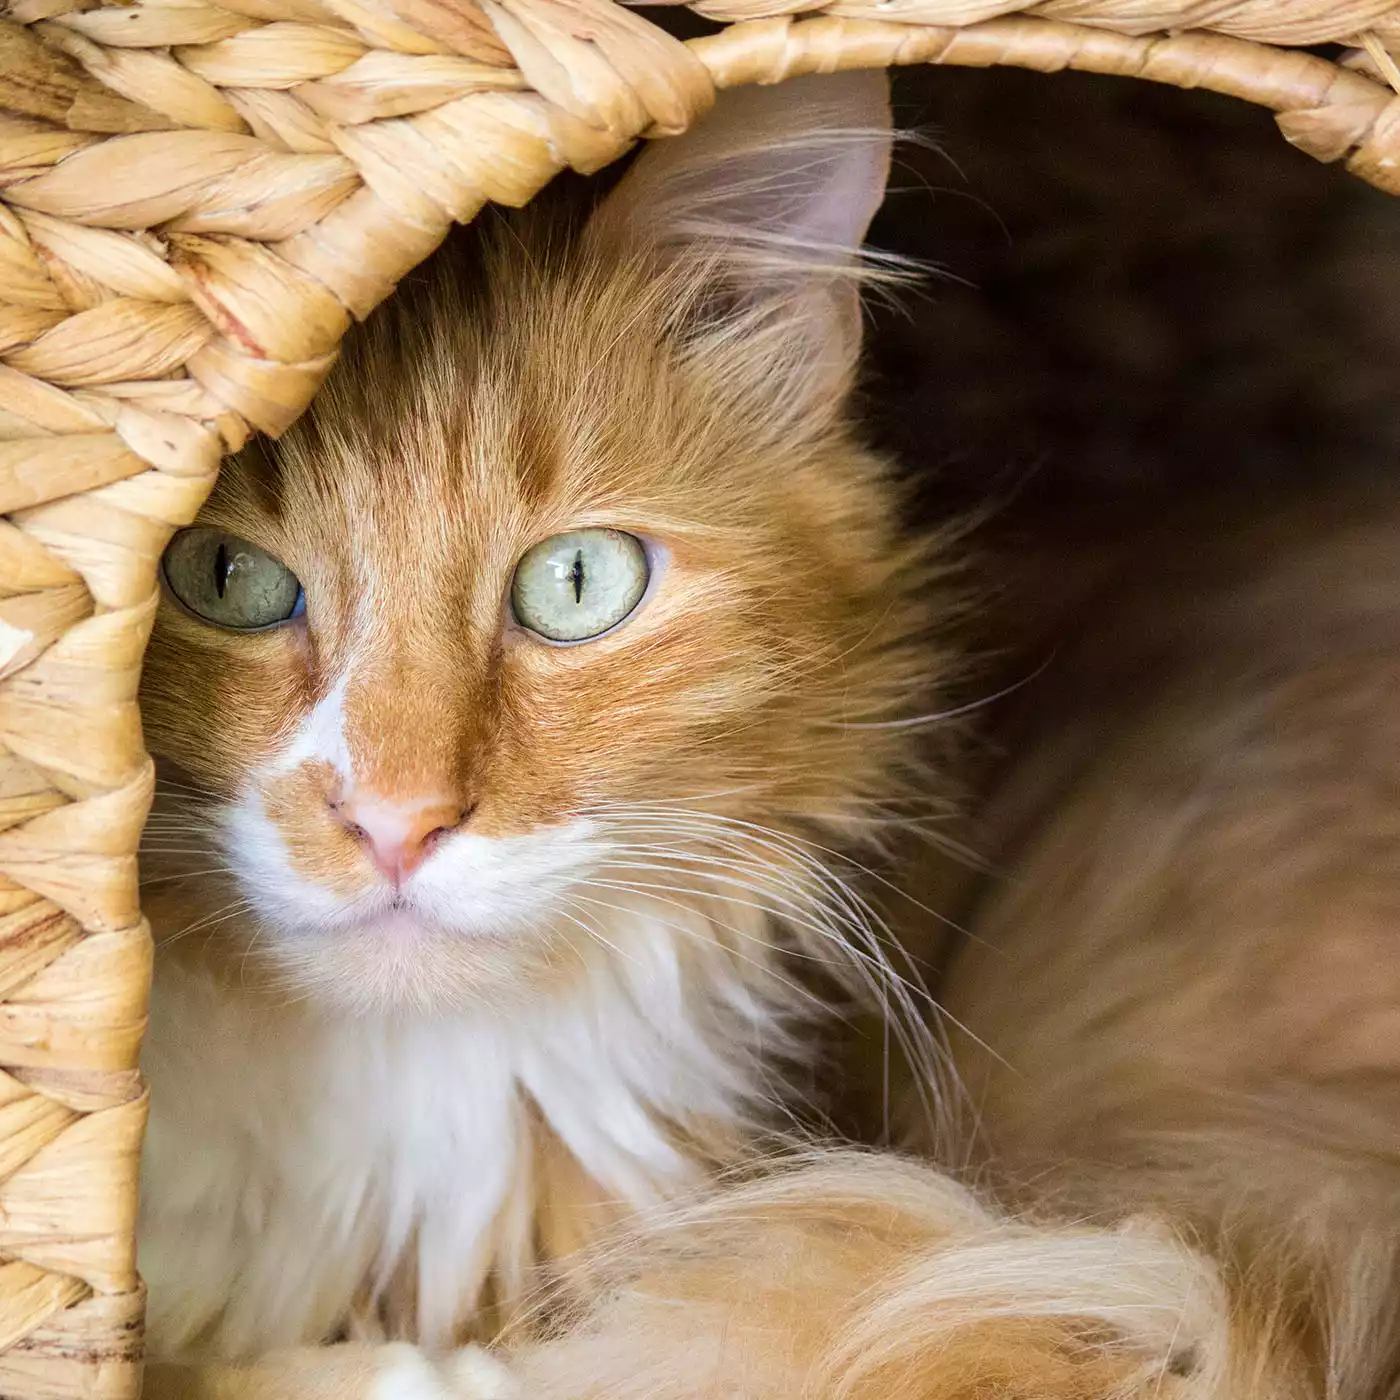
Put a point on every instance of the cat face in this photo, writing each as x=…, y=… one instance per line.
x=571, y=593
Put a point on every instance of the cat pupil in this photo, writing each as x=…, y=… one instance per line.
x=221, y=569
x=576, y=575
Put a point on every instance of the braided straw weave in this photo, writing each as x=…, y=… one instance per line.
x=196, y=197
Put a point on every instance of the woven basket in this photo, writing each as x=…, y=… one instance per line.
x=198, y=197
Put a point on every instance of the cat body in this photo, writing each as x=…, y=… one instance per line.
x=1189, y=983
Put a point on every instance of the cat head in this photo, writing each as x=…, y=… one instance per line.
x=572, y=608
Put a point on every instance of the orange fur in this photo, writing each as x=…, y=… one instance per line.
x=1188, y=985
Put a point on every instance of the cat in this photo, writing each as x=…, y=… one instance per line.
x=403, y=1119
x=509, y=710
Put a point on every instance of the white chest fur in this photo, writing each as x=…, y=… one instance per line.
x=295, y=1161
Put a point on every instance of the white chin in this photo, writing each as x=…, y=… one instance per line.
x=397, y=926
x=396, y=963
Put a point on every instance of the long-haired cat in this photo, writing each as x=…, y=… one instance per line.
x=512, y=709
x=524, y=696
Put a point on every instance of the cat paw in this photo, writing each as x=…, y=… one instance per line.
x=404, y=1372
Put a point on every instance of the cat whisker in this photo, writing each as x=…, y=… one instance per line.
x=955, y=712
x=656, y=893
x=913, y=987
x=786, y=911
x=217, y=916
x=185, y=875
x=164, y=784
x=746, y=790
x=844, y=896
x=767, y=971
x=247, y=953
x=701, y=895
x=897, y=994
x=851, y=912
x=801, y=845
x=881, y=982
x=734, y=837
x=598, y=937
x=687, y=805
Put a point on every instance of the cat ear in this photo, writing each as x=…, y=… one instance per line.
x=771, y=194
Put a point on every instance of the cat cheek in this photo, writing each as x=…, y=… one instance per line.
x=275, y=889
x=317, y=845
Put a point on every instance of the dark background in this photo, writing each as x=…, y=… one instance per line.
x=1145, y=290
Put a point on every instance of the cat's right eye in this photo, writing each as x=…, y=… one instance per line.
x=229, y=582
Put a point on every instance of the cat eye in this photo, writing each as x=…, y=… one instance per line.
x=576, y=586
x=229, y=582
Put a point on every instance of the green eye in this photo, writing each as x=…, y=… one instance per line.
x=229, y=582
x=572, y=587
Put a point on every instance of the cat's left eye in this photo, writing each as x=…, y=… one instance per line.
x=229, y=582
x=574, y=587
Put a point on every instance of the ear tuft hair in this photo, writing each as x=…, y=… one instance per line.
x=768, y=200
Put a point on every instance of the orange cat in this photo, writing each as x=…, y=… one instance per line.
x=511, y=709
x=526, y=693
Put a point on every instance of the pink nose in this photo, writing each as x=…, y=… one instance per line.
x=398, y=836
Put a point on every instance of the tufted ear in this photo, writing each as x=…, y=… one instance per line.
x=772, y=194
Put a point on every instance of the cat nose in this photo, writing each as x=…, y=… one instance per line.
x=398, y=836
